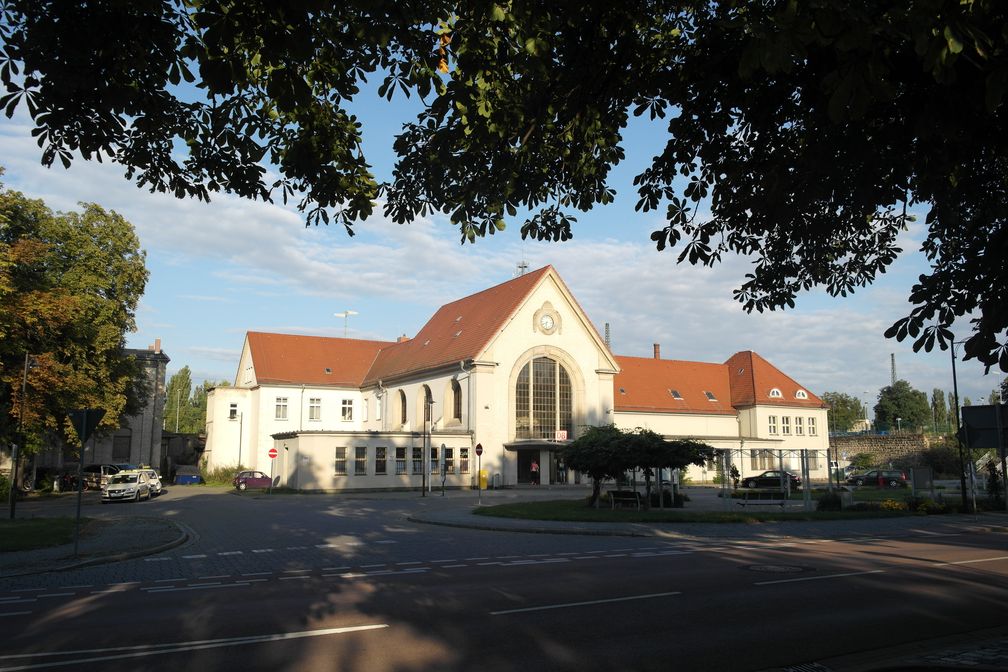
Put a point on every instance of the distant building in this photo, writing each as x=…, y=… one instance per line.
x=138, y=439
x=517, y=369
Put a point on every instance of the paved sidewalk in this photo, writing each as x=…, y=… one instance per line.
x=101, y=540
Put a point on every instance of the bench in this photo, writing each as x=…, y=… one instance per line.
x=763, y=497
x=625, y=497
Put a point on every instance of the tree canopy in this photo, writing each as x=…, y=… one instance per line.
x=901, y=406
x=845, y=410
x=185, y=407
x=797, y=134
x=69, y=287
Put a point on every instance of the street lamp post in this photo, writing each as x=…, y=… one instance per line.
x=899, y=426
x=15, y=452
x=962, y=463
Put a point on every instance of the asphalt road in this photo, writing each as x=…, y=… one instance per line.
x=306, y=583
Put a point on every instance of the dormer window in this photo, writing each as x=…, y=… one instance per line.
x=675, y=394
x=622, y=390
x=710, y=396
x=328, y=371
x=801, y=394
x=775, y=393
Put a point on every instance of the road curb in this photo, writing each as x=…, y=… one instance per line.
x=184, y=534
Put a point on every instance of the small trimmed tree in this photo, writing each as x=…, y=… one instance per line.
x=598, y=452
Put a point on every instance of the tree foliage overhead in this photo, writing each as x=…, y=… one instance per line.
x=69, y=288
x=794, y=133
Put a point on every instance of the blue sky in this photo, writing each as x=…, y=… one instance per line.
x=220, y=269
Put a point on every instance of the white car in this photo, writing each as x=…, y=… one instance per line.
x=154, y=481
x=126, y=486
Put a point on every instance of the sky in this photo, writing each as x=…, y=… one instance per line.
x=220, y=269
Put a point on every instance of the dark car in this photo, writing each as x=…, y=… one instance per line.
x=770, y=479
x=883, y=478
x=244, y=480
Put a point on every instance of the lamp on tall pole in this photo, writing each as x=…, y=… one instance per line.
x=29, y=363
x=346, y=319
x=962, y=463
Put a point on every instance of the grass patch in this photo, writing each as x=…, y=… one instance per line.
x=577, y=511
x=31, y=533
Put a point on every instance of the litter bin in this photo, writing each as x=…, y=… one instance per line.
x=483, y=479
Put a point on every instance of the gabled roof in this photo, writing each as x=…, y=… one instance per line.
x=646, y=385
x=293, y=359
x=458, y=331
x=753, y=378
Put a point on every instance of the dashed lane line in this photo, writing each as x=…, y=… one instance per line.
x=568, y=605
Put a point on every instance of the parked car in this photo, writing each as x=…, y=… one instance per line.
x=154, y=480
x=126, y=486
x=251, y=479
x=97, y=475
x=882, y=478
x=770, y=479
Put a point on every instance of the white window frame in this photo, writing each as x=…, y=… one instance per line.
x=785, y=425
x=315, y=409
x=799, y=426
x=801, y=394
x=340, y=468
x=346, y=410
x=280, y=410
x=772, y=424
x=364, y=409
x=775, y=393
x=811, y=426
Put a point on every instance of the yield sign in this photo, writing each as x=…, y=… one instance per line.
x=85, y=421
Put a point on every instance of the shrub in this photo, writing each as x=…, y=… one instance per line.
x=893, y=505
x=219, y=475
x=865, y=506
x=830, y=501
x=943, y=459
x=924, y=505
x=4, y=488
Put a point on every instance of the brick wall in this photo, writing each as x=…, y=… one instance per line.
x=899, y=449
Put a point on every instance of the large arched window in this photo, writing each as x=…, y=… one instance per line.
x=456, y=394
x=402, y=407
x=543, y=402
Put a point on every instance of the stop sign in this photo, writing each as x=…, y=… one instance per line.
x=479, y=448
x=272, y=453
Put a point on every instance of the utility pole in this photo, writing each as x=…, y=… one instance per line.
x=962, y=464
x=15, y=452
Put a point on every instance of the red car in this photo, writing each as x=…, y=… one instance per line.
x=244, y=480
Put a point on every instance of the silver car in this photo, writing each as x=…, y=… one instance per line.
x=126, y=486
x=154, y=481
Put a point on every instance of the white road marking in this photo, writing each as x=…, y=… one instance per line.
x=970, y=562
x=193, y=557
x=819, y=578
x=335, y=569
x=412, y=562
x=168, y=580
x=14, y=613
x=57, y=594
x=207, y=578
x=296, y=571
x=181, y=589
x=22, y=600
x=257, y=574
x=386, y=541
x=156, y=559
x=581, y=604
x=262, y=550
x=230, y=553
x=453, y=566
x=119, y=653
x=294, y=578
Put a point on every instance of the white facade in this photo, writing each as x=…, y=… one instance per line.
x=534, y=375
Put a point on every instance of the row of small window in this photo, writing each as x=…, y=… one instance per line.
x=785, y=425
x=769, y=459
x=400, y=465
x=314, y=410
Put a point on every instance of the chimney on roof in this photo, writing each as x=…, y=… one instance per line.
x=156, y=347
x=607, y=334
x=657, y=351
x=402, y=339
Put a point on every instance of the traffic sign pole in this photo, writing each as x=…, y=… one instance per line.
x=479, y=474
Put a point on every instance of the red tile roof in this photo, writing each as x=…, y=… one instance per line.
x=459, y=330
x=293, y=359
x=646, y=385
x=752, y=378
